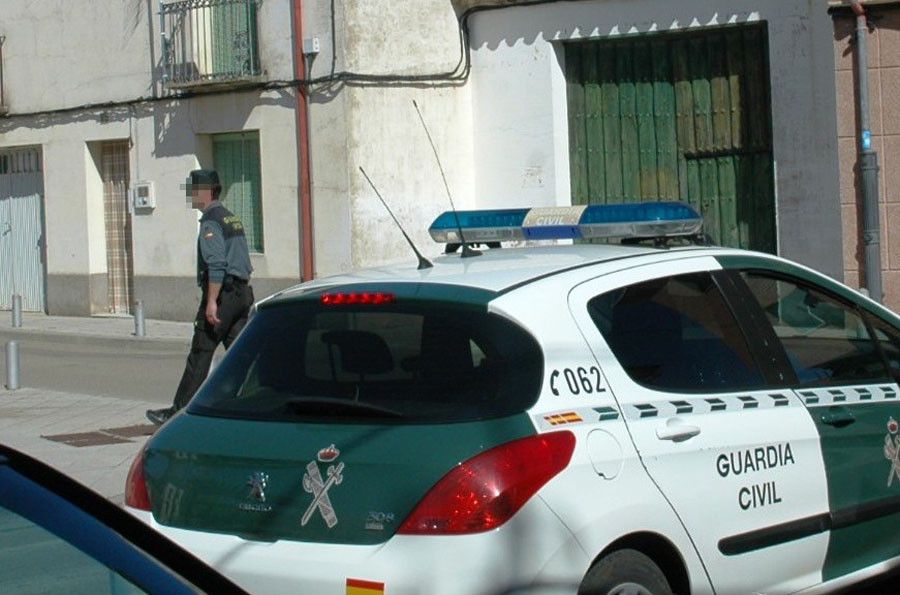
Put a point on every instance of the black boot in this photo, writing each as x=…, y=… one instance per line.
x=160, y=416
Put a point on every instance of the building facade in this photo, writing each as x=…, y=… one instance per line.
x=883, y=59
x=94, y=112
x=730, y=107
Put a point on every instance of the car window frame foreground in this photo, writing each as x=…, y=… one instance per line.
x=148, y=559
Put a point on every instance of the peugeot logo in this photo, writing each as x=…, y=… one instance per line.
x=257, y=484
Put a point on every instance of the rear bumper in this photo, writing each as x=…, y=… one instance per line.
x=533, y=548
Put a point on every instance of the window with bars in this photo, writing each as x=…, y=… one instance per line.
x=236, y=158
x=210, y=41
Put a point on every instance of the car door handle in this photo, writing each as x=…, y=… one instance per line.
x=676, y=431
x=837, y=417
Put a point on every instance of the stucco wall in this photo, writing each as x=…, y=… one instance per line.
x=375, y=126
x=884, y=109
x=65, y=54
x=519, y=104
x=60, y=53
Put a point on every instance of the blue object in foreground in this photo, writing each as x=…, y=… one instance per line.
x=632, y=220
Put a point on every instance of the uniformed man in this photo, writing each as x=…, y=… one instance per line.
x=223, y=273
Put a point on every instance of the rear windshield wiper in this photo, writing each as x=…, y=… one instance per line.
x=326, y=406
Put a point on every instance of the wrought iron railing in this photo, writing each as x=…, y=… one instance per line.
x=209, y=41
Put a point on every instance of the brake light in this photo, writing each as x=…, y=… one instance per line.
x=487, y=490
x=373, y=298
x=136, y=495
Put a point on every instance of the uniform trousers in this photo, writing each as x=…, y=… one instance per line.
x=234, y=303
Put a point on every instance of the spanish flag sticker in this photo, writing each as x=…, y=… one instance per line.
x=358, y=587
x=570, y=417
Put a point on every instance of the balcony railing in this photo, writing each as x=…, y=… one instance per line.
x=209, y=41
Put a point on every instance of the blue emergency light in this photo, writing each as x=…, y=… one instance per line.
x=632, y=220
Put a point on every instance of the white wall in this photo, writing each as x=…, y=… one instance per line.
x=65, y=53
x=169, y=143
x=519, y=103
x=61, y=54
x=376, y=127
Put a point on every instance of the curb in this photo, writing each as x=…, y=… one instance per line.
x=72, y=338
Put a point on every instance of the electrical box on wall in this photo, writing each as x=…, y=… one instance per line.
x=142, y=196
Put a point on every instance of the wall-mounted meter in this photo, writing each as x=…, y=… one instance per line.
x=142, y=196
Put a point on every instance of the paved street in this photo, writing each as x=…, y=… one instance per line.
x=128, y=369
x=35, y=420
x=85, y=384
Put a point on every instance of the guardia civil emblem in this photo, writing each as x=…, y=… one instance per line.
x=892, y=450
x=318, y=487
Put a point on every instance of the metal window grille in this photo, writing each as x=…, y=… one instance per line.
x=209, y=41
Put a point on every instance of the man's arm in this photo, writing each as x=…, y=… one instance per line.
x=212, y=305
x=212, y=248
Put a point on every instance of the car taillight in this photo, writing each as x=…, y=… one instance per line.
x=353, y=298
x=487, y=490
x=136, y=495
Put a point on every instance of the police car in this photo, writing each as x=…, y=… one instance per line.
x=661, y=418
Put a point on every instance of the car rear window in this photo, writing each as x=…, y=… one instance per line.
x=423, y=362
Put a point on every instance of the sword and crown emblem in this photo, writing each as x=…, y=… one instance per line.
x=892, y=449
x=326, y=455
x=318, y=487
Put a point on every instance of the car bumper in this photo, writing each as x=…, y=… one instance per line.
x=534, y=550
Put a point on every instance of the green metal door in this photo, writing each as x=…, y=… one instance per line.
x=681, y=116
x=236, y=158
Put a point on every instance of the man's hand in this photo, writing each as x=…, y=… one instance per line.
x=212, y=306
x=212, y=313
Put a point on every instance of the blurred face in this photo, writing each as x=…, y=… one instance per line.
x=201, y=197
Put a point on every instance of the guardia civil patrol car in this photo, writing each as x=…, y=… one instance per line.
x=615, y=418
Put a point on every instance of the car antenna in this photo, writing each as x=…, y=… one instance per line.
x=467, y=250
x=424, y=263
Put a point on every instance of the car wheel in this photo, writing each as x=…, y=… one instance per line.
x=625, y=572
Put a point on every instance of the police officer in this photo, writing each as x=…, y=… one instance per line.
x=223, y=273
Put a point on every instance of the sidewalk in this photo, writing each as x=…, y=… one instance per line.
x=51, y=426
x=91, y=438
x=110, y=328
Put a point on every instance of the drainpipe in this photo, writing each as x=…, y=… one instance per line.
x=304, y=172
x=2, y=105
x=868, y=161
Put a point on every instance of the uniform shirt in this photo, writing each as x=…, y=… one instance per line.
x=221, y=247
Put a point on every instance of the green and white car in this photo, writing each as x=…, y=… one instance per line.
x=609, y=418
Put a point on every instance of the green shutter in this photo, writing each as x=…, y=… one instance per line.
x=234, y=43
x=236, y=158
x=681, y=116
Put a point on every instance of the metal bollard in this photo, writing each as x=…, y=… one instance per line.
x=139, y=329
x=16, y=310
x=12, y=365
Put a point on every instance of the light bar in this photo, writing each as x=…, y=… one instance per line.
x=632, y=220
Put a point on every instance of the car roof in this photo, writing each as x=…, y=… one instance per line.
x=495, y=270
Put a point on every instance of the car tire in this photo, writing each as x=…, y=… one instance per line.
x=625, y=572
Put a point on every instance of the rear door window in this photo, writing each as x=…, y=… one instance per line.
x=421, y=362
x=889, y=340
x=676, y=334
x=826, y=340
